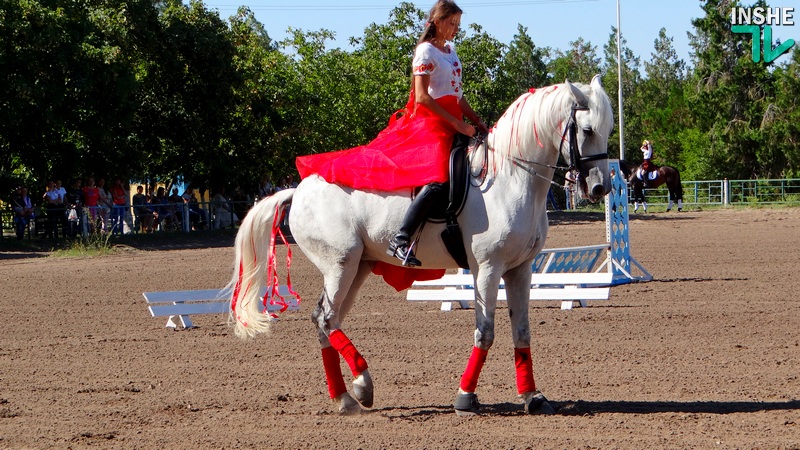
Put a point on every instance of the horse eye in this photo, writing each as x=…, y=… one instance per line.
x=588, y=132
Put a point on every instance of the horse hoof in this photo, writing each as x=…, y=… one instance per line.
x=466, y=404
x=363, y=389
x=536, y=404
x=348, y=406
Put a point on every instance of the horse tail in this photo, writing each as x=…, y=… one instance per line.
x=251, y=255
x=678, y=186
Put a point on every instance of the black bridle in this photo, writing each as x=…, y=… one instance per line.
x=575, y=158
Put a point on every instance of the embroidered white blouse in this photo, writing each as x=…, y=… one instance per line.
x=443, y=67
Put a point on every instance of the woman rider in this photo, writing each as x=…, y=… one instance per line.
x=414, y=150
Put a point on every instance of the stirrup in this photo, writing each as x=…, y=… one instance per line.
x=403, y=252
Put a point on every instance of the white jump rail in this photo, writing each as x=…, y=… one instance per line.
x=566, y=287
x=179, y=305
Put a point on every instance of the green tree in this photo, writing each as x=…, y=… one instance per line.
x=384, y=56
x=664, y=114
x=781, y=122
x=632, y=103
x=67, y=88
x=188, y=91
x=579, y=63
x=523, y=66
x=481, y=55
x=729, y=94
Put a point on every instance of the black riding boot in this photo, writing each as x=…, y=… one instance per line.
x=399, y=246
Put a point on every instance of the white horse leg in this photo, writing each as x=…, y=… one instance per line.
x=680, y=204
x=343, y=281
x=486, y=285
x=518, y=283
x=669, y=205
x=363, y=388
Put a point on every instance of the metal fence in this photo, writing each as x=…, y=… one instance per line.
x=764, y=191
x=63, y=223
x=694, y=193
x=732, y=192
x=210, y=215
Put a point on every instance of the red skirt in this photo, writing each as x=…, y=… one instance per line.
x=413, y=150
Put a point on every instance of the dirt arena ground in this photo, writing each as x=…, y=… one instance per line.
x=704, y=356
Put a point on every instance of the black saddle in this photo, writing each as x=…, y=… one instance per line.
x=457, y=187
x=447, y=208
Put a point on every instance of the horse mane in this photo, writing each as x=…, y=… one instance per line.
x=536, y=120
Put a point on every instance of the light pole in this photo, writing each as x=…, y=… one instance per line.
x=619, y=77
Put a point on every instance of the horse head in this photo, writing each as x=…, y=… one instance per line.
x=584, y=142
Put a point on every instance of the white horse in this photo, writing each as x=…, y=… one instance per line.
x=504, y=222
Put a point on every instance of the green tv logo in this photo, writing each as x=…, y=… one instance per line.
x=752, y=20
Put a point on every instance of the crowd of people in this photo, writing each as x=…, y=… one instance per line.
x=92, y=207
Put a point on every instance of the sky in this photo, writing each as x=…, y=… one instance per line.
x=550, y=23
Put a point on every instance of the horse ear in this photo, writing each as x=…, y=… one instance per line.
x=577, y=94
x=596, y=82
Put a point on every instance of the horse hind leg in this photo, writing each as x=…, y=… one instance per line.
x=328, y=316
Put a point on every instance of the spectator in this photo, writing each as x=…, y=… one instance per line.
x=23, y=210
x=52, y=203
x=224, y=216
x=197, y=216
x=105, y=202
x=74, y=207
x=91, y=199
x=62, y=203
x=240, y=203
x=265, y=189
x=61, y=192
x=142, y=212
x=118, y=197
x=175, y=198
x=159, y=205
x=288, y=182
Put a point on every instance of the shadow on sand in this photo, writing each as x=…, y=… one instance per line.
x=583, y=408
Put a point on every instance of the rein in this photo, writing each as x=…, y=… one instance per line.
x=575, y=158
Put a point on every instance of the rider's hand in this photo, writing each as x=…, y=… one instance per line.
x=465, y=128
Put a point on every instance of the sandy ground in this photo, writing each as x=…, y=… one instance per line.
x=704, y=356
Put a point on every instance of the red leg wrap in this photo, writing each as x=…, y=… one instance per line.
x=342, y=344
x=469, y=380
x=524, y=365
x=333, y=372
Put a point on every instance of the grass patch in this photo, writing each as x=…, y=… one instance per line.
x=91, y=245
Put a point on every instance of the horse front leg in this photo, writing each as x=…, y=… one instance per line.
x=486, y=285
x=518, y=285
x=328, y=316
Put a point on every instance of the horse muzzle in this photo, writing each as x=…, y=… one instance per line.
x=596, y=184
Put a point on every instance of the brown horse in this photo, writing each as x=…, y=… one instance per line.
x=664, y=175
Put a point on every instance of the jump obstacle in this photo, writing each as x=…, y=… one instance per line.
x=567, y=274
x=179, y=305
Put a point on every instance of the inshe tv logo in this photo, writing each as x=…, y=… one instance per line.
x=752, y=20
